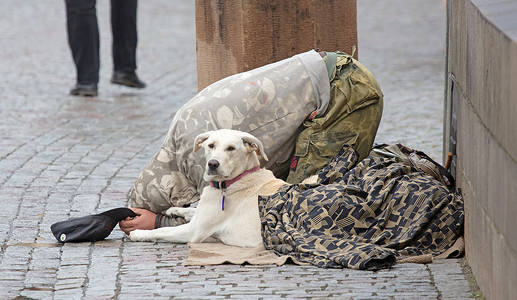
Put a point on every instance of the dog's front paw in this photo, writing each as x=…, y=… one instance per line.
x=173, y=211
x=141, y=236
x=185, y=212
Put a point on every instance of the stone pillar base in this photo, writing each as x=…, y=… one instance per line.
x=236, y=36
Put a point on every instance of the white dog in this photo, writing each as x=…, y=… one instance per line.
x=228, y=208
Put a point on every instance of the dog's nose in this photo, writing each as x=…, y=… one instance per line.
x=213, y=164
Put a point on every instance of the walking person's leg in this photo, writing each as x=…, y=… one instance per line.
x=83, y=38
x=125, y=40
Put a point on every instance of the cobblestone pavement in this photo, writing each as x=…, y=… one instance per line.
x=64, y=156
x=403, y=44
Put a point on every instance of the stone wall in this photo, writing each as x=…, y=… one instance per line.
x=481, y=129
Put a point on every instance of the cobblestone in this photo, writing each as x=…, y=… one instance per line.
x=63, y=156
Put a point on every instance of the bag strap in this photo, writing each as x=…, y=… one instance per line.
x=416, y=159
x=331, y=62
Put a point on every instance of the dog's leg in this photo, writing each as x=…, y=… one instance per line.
x=185, y=212
x=177, y=234
x=195, y=232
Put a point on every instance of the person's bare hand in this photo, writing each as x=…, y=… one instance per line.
x=144, y=220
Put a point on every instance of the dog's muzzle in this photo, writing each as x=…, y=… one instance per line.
x=213, y=165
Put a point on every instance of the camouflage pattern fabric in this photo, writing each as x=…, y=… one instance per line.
x=352, y=118
x=362, y=215
x=270, y=102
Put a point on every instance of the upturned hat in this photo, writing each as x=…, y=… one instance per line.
x=90, y=228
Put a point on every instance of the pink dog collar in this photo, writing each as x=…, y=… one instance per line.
x=223, y=185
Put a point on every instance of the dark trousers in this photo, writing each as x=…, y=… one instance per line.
x=83, y=37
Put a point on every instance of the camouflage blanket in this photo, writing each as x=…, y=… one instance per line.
x=362, y=215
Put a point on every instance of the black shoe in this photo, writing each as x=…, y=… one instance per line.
x=128, y=79
x=84, y=90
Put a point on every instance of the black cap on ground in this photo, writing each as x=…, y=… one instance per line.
x=90, y=228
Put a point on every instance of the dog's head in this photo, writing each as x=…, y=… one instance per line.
x=228, y=153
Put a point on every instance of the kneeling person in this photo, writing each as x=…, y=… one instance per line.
x=303, y=109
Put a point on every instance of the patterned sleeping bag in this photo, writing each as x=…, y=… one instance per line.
x=362, y=215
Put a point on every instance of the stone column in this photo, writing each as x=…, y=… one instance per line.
x=238, y=35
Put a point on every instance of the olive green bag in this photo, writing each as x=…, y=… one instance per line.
x=352, y=118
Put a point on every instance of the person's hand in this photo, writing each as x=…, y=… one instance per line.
x=144, y=220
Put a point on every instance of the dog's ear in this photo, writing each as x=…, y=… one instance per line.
x=200, y=139
x=253, y=144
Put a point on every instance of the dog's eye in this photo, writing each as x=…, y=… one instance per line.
x=230, y=148
x=211, y=146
